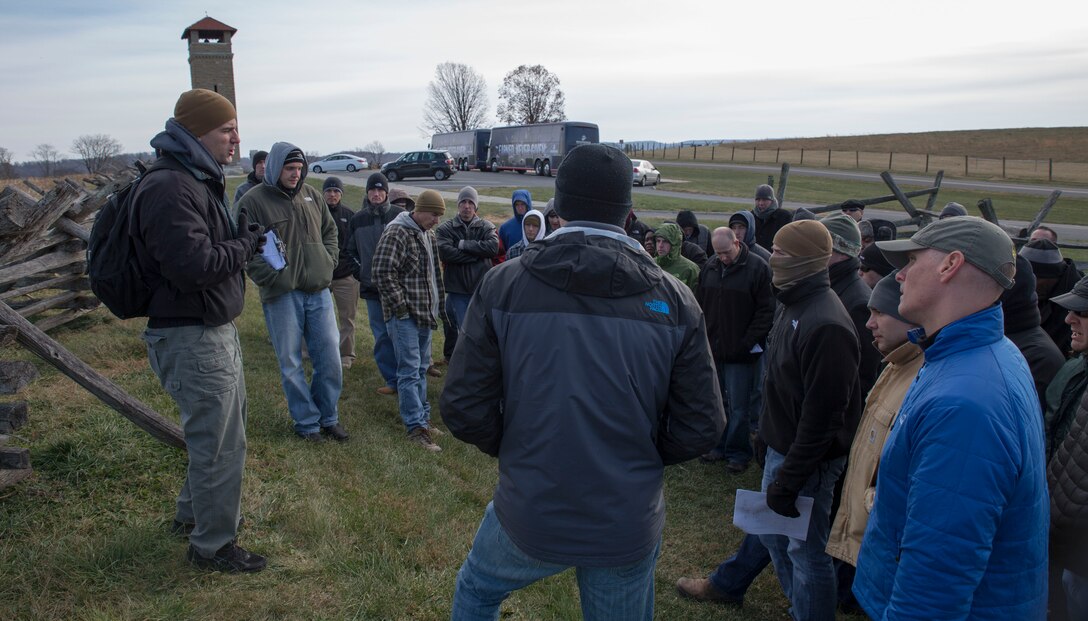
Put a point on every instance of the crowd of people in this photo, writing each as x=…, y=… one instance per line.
x=921, y=401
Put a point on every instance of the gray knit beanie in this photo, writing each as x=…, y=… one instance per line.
x=886, y=295
x=469, y=193
x=845, y=236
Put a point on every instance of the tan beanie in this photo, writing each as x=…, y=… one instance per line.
x=200, y=111
x=431, y=201
x=808, y=244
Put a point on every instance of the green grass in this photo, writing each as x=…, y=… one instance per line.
x=372, y=529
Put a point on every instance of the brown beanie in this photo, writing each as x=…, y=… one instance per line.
x=200, y=111
x=430, y=201
x=808, y=245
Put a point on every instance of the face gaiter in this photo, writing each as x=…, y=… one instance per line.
x=808, y=245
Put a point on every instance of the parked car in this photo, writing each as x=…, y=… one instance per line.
x=340, y=161
x=645, y=173
x=437, y=164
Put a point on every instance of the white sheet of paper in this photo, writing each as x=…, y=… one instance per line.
x=752, y=515
x=271, y=251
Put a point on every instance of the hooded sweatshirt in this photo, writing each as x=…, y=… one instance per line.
x=700, y=236
x=1020, y=308
x=518, y=248
x=185, y=241
x=510, y=231
x=769, y=221
x=685, y=271
x=302, y=221
x=749, y=240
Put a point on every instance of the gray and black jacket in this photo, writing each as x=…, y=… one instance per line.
x=466, y=251
x=630, y=388
x=364, y=231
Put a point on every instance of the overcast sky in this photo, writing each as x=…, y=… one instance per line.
x=336, y=75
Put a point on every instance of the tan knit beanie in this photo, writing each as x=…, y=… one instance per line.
x=431, y=201
x=200, y=111
x=808, y=244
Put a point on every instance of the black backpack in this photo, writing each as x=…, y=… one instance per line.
x=112, y=266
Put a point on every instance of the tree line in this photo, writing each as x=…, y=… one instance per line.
x=98, y=152
x=457, y=98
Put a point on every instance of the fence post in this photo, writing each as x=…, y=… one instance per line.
x=927, y=162
x=694, y=152
x=1050, y=173
x=802, y=156
x=1002, y=166
x=829, y=158
x=732, y=153
x=857, y=159
x=890, y=159
x=965, y=173
x=711, y=153
x=777, y=152
x=754, y=154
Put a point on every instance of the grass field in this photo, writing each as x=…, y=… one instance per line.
x=372, y=529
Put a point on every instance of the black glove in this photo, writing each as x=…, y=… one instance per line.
x=252, y=234
x=782, y=501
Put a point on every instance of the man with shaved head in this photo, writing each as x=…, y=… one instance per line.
x=959, y=524
x=734, y=292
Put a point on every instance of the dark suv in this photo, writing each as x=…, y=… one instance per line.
x=437, y=164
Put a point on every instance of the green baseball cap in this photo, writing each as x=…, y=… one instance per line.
x=982, y=243
x=1075, y=300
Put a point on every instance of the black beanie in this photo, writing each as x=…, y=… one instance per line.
x=333, y=183
x=594, y=184
x=377, y=181
x=295, y=155
x=873, y=259
x=1020, y=304
x=259, y=157
x=687, y=218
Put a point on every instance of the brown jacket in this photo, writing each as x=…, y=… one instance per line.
x=859, y=484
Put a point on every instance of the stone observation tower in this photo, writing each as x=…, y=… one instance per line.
x=211, y=61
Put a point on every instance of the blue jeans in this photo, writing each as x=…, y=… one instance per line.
x=457, y=307
x=1076, y=595
x=384, y=357
x=804, y=569
x=738, y=383
x=738, y=572
x=412, y=346
x=291, y=318
x=495, y=567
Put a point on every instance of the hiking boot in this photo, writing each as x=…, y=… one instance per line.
x=231, y=558
x=336, y=431
x=314, y=437
x=736, y=467
x=422, y=437
x=712, y=456
x=433, y=371
x=435, y=431
x=703, y=590
x=386, y=390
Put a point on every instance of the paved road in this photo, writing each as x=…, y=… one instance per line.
x=922, y=181
x=713, y=213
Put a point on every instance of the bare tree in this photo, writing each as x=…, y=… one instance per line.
x=377, y=150
x=7, y=170
x=456, y=99
x=530, y=95
x=47, y=156
x=97, y=151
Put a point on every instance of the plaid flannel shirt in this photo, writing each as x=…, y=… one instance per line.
x=401, y=276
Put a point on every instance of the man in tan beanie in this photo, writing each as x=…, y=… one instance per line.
x=194, y=253
x=407, y=273
x=812, y=405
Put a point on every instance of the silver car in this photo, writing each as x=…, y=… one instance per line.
x=340, y=161
x=645, y=173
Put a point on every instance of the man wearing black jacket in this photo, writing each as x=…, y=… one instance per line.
x=812, y=405
x=734, y=292
x=466, y=243
x=193, y=257
x=580, y=451
x=344, y=287
x=854, y=294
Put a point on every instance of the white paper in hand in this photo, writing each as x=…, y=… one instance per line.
x=271, y=251
x=752, y=515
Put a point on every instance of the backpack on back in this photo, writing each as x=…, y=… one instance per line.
x=112, y=266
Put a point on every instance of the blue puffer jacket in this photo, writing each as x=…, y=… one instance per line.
x=959, y=525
